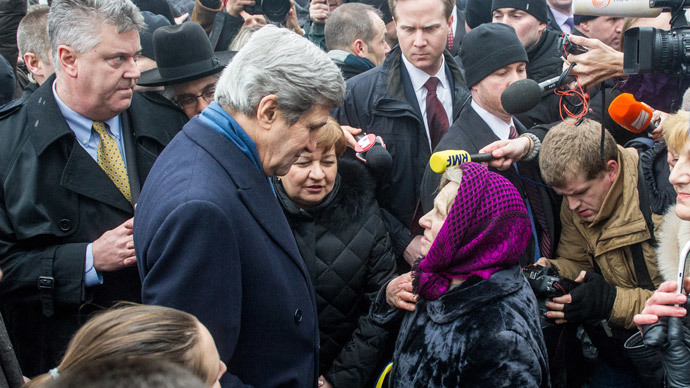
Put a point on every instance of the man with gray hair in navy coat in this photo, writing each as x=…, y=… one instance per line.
x=211, y=237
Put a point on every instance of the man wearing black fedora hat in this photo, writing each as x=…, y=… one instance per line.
x=187, y=66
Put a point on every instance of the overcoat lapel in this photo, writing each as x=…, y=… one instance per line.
x=253, y=189
x=81, y=173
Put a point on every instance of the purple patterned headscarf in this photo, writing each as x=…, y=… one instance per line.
x=487, y=229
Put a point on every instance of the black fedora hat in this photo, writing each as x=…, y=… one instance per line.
x=183, y=53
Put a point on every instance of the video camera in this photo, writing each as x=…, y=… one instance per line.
x=646, y=49
x=274, y=10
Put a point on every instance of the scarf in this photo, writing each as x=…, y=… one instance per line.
x=487, y=229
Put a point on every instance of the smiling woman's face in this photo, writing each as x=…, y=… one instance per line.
x=311, y=177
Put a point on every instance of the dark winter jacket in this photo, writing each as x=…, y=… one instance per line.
x=6, y=81
x=544, y=63
x=11, y=13
x=55, y=200
x=347, y=251
x=482, y=333
x=656, y=171
x=381, y=101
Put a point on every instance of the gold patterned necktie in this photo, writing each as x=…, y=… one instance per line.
x=110, y=160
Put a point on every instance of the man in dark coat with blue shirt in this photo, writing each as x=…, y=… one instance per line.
x=211, y=237
x=73, y=158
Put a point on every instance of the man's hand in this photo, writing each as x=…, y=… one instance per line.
x=660, y=304
x=544, y=262
x=593, y=299
x=507, y=152
x=598, y=64
x=413, y=250
x=291, y=21
x=349, y=133
x=114, y=250
x=399, y=293
x=659, y=117
x=234, y=7
x=318, y=11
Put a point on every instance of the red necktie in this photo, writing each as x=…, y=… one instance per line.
x=436, y=115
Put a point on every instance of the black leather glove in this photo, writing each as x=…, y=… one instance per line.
x=592, y=300
x=672, y=341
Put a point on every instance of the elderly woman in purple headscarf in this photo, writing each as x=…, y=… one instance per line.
x=476, y=322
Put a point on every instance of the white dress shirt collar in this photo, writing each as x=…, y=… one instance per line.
x=498, y=126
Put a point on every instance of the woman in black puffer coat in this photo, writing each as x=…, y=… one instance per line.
x=337, y=224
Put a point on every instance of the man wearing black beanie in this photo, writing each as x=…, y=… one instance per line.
x=529, y=18
x=494, y=59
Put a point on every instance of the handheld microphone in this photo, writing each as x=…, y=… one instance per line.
x=372, y=151
x=631, y=114
x=525, y=94
x=441, y=160
x=521, y=96
x=625, y=8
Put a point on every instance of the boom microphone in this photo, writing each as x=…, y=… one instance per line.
x=371, y=150
x=631, y=114
x=441, y=160
x=624, y=8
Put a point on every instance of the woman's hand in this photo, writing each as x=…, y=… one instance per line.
x=399, y=293
x=661, y=304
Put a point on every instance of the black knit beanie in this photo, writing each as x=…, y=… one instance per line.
x=536, y=8
x=477, y=12
x=577, y=19
x=488, y=48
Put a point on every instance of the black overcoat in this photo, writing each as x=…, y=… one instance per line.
x=55, y=200
x=212, y=240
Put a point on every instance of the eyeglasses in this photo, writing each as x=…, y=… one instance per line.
x=185, y=101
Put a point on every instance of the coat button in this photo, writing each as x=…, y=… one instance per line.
x=298, y=315
x=65, y=224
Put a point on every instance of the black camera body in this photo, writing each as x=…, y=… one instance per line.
x=275, y=10
x=546, y=284
x=569, y=47
x=650, y=50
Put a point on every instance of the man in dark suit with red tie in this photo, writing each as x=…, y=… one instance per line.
x=409, y=101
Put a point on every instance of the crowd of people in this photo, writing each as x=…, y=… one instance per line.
x=238, y=193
